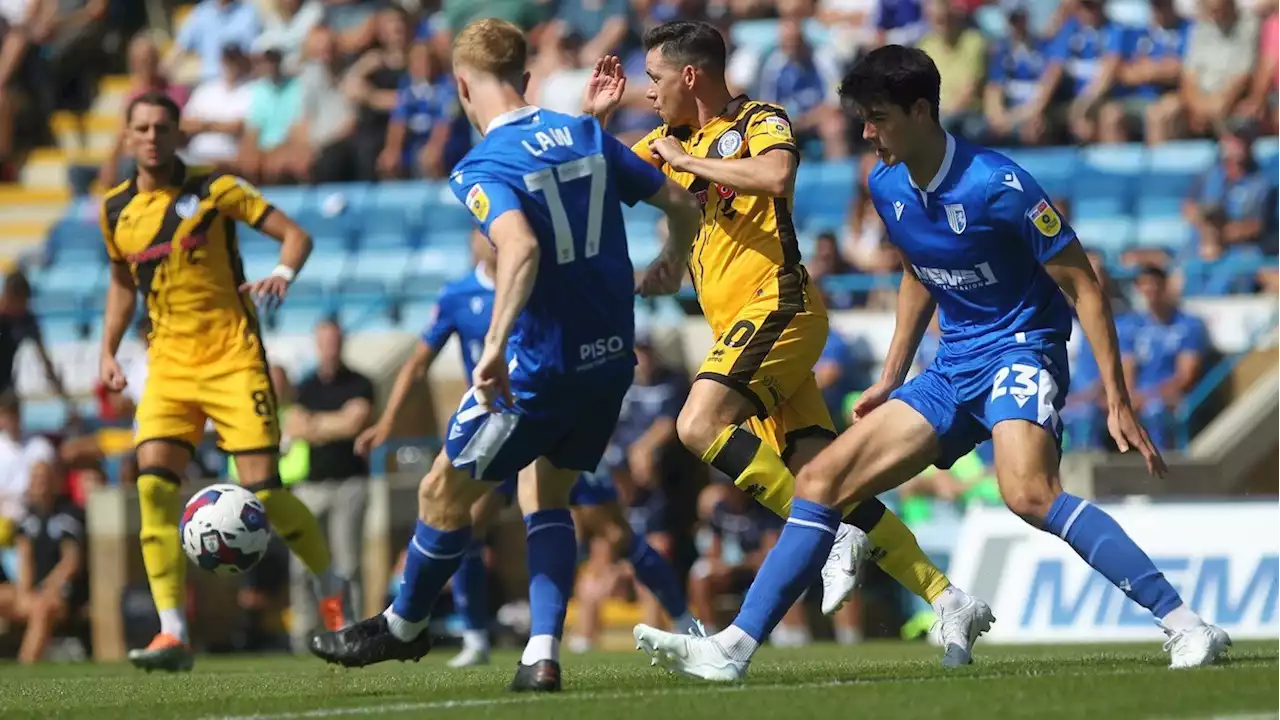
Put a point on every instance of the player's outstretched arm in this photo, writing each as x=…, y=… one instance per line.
x=122, y=298
x=915, y=309
x=604, y=90
x=414, y=368
x=1071, y=270
x=684, y=218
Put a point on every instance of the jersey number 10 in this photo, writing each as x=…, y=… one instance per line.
x=548, y=182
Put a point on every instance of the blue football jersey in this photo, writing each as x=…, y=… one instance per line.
x=464, y=308
x=977, y=238
x=569, y=179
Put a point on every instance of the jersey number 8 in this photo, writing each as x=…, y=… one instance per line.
x=548, y=181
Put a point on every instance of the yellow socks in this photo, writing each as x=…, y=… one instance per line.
x=298, y=527
x=760, y=472
x=166, y=567
x=755, y=468
x=897, y=551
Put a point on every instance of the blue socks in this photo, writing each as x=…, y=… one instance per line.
x=655, y=573
x=471, y=588
x=553, y=558
x=790, y=568
x=433, y=556
x=1100, y=540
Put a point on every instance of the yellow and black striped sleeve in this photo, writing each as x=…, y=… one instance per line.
x=238, y=199
x=770, y=129
x=641, y=147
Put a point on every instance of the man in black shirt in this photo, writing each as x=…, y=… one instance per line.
x=333, y=405
x=52, y=583
x=17, y=324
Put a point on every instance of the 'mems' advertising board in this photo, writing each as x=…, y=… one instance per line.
x=1223, y=558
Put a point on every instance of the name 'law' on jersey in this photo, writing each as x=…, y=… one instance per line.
x=977, y=237
x=569, y=179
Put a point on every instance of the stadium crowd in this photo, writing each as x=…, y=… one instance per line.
x=317, y=91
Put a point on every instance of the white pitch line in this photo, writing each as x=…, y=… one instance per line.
x=486, y=702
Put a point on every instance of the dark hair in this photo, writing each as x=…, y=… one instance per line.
x=684, y=42
x=16, y=283
x=891, y=74
x=158, y=99
x=9, y=402
x=1152, y=271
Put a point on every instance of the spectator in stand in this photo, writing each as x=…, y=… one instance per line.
x=1009, y=104
x=1261, y=104
x=851, y=25
x=837, y=375
x=354, y=24
x=70, y=34
x=331, y=407
x=214, y=117
x=1221, y=53
x=604, y=25
x=734, y=537
x=1164, y=351
x=1217, y=268
x=899, y=22
x=211, y=26
x=560, y=78
x=804, y=80
x=18, y=458
x=1084, y=57
x=1236, y=187
x=145, y=75
x=1149, y=77
x=825, y=261
x=324, y=133
x=17, y=325
x=373, y=84
x=53, y=583
x=427, y=134
x=286, y=29
x=266, y=152
x=956, y=45
x=527, y=14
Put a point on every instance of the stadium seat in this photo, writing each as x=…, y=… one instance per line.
x=380, y=266
x=296, y=202
x=1110, y=236
x=448, y=263
x=415, y=316
x=1173, y=233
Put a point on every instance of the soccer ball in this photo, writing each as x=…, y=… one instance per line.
x=224, y=529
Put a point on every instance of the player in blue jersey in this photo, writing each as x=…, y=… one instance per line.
x=982, y=244
x=547, y=190
x=464, y=309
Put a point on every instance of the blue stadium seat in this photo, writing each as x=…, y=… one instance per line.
x=296, y=202
x=71, y=278
x=298, y=318
x=1106, y=180
x=446, y=224
x=385, y=267
x=1110, y=236
x=1053, y=168
x=1169, y=233
x=1131, y=13
x=393, y=215
x=1267, y=152
x=445, y=263
x=415, y=316
x=1158, y=206
x=326, y=269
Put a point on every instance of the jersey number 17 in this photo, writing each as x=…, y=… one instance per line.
x=548, y=182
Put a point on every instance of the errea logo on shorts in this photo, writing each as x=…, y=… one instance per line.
x=961, y=279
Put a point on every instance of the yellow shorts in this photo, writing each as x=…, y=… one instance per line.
x=768, y=355
x=231, y=388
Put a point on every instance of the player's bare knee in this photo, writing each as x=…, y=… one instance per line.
x=696, y=429
x=818, y=482
x=1030, y=496
x=442, y=500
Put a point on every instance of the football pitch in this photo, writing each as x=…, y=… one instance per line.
x=874, y=680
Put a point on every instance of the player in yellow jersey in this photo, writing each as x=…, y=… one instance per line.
x=739, y=157
x=170, y=233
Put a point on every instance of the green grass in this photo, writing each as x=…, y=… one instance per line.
x=869, y=681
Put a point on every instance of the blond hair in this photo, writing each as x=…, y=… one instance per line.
x=494, y=47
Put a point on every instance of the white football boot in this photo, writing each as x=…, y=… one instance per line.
x=699, y=657
x=843, y=568
x=1196, y=647
x=961, y=619
x=475, y=650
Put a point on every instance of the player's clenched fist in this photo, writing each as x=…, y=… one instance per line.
x=110, y=374
x=670, y=150
x=663, y=277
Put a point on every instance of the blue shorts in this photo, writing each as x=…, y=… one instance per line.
x=589, y=490
x=569, y=425
x=1024, y=384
